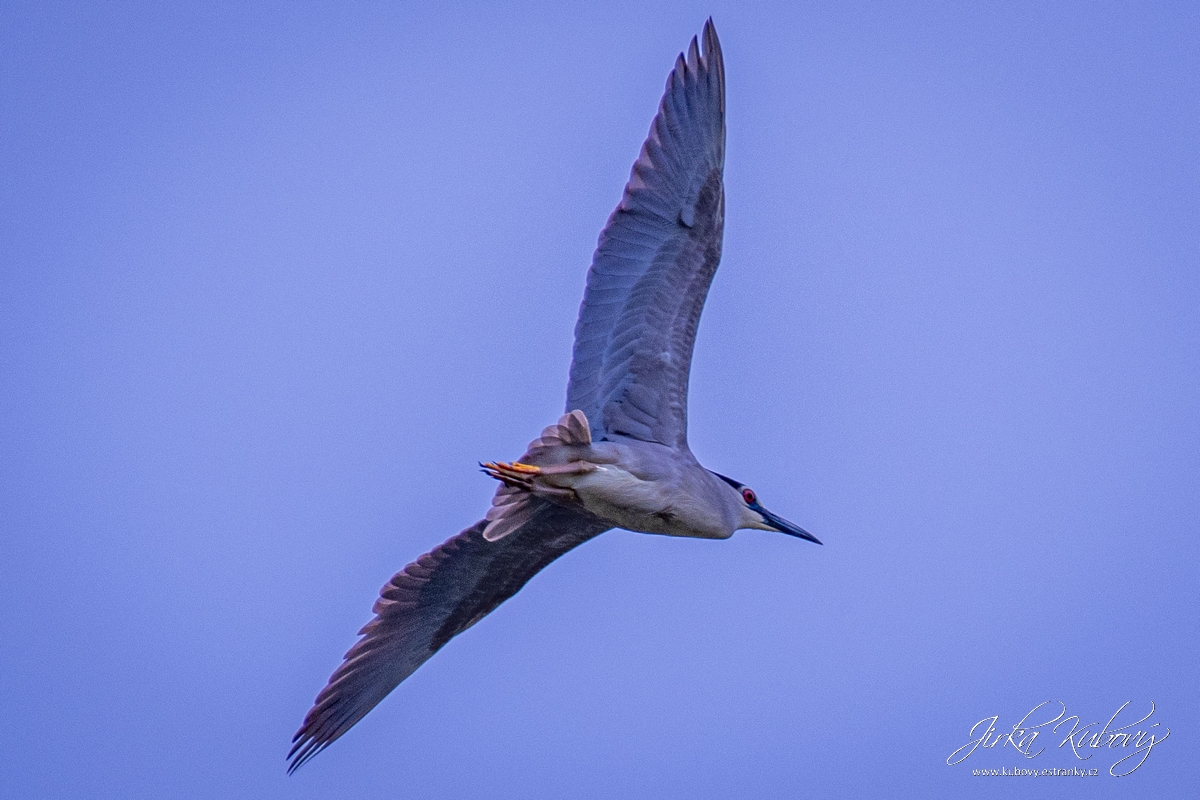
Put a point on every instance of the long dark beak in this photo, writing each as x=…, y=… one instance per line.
x=783, y=526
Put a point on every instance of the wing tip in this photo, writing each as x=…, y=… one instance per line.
x=704, y=54
x=692, y=68
x=714, y=59
x=304, y=748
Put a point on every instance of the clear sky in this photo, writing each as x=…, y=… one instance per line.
x=274, y=278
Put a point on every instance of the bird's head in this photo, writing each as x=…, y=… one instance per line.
x=751, y=514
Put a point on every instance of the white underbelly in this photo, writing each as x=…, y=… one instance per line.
x=619, y=497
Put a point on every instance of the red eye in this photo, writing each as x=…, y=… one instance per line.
x=748, y=496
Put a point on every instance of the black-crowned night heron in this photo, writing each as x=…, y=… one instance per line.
x=619, y=457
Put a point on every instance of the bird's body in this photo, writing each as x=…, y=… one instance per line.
x=619, y=457
x=639, y=486
x=640, y=490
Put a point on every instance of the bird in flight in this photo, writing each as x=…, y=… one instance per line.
x=619, y=457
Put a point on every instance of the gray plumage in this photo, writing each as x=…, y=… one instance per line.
x=654, y=263
x=619, y=456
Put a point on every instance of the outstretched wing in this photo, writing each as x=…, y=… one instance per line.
x=429, y=602
x=654, y=263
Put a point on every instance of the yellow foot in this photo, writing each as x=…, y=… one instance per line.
x=517, y=466
x=513, y=474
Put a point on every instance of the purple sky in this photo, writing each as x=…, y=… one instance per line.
x=274, y=280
